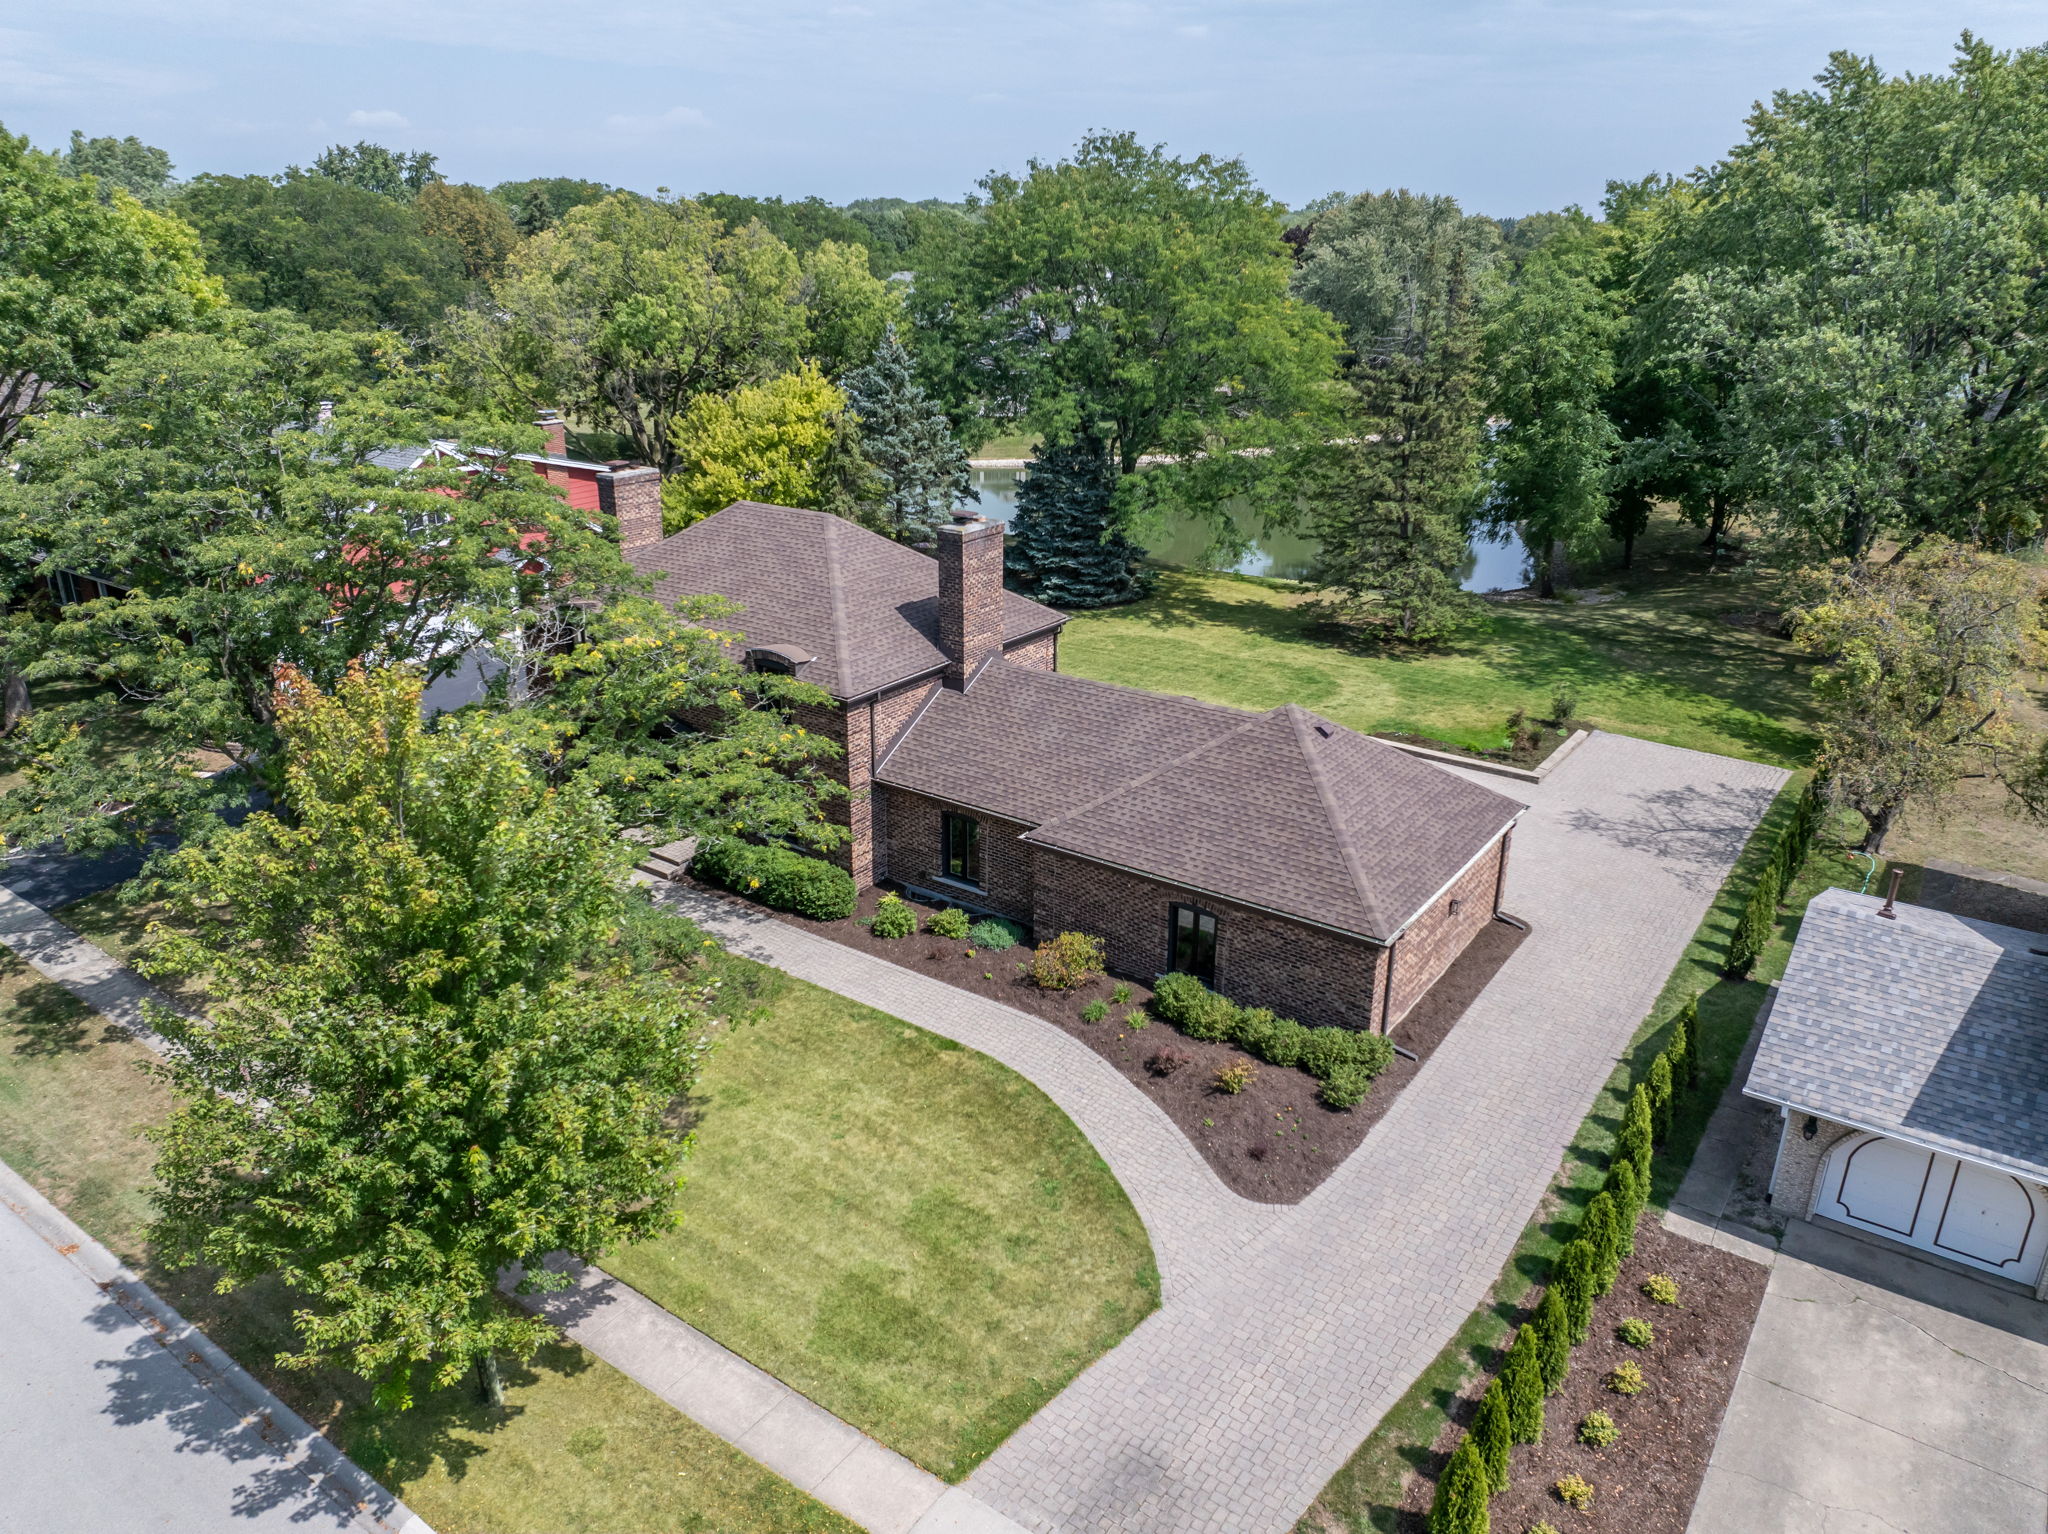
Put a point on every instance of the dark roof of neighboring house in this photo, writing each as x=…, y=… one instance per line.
x=1929, y=1027
x=1282, y=810
x=866, y=607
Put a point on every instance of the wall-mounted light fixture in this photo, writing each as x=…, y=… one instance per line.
x=1810, y=1128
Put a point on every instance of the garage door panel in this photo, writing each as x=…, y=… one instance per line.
x=1883, y=1183
x=1989, y=1219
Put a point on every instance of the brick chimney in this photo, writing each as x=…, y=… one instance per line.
x=970, y=594
x=556, y=430
x=634, y=497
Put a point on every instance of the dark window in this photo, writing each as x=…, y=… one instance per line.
x=963, y=848
x=1192, y=943
x=768, y=660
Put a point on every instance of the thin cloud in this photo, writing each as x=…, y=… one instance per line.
x=383, y=119
x=674, y=117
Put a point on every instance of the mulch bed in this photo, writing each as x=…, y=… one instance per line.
x=1274, y=1141
x=1645, y=1482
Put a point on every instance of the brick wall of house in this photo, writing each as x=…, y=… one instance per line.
x=1434, y=939
x=1302, y=972
x=850, y=729
x=1040, y=653
x=894, y=710
x=913, y=852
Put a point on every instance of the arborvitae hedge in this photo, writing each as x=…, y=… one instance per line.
x=1522, y=1374
x=1493, y=1434
x=1601, y=1229
x=1553, y=1340
x=1462, y=1492
x=1660, y=1099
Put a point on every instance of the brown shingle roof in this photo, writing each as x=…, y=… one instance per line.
x=1283, y=810
x=866, y=607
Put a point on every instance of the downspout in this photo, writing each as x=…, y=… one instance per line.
x=1387, y=1001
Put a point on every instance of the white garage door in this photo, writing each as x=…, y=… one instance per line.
x=1970, y=1214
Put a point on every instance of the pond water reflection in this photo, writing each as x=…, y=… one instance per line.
x=1495, y=562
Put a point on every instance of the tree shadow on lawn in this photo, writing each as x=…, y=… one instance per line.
x=51, y=1021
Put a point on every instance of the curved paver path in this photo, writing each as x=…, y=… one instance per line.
x=1188, y=1212
x=1230, y=1407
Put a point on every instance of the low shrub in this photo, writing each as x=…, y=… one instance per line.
x=1071, y=959
x=1542, y=1528
x=1137, y=1018
x=1095, y=1011
x=1345, y=1060
x=1166, y=1061
x=1626, y=1378
x=951, y=922
x=1233, y=1078
x=778, y=877
x=1121, y=994
x=995, y=934
x=1564, y=708
x=1598, y=1430
x=1576, y=1493
x=892, y=919
x=1636, y=1333
x=1661, y=1289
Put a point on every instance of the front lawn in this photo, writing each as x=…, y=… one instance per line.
x=581, y=1446
x=1660, y=660
x=907, y=1232
x=910, y=1234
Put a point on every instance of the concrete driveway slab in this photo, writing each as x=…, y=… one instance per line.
x=1883, y=1392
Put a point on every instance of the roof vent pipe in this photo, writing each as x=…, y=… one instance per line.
x=1891, y=896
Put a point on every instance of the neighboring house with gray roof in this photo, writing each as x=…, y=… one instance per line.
x=1288, y=861
x=1907, y=1050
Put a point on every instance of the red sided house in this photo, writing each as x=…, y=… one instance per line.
x=1286, y=860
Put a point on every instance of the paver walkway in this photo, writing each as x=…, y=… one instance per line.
x=1287, y=1333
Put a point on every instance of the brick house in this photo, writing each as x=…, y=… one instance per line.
x=1288, y=861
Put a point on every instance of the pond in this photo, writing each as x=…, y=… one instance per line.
x=1494, y=562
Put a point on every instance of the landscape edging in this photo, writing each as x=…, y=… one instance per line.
x=1534, y=774
x=298, y=1442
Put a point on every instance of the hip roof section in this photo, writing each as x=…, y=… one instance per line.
x=866, y=607
x=1283, y=810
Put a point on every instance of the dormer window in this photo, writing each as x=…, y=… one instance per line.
x=778, y=659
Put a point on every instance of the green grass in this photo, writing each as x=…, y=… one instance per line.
x=1013, y=446
x=1659, y=661
x=1367, y=1492
x=581, y=1446
x=910, y=1234
x=907, y=1232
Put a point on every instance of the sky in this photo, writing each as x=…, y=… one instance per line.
x=1510, y=105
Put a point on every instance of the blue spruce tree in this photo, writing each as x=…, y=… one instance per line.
x=905, y=436
x=1063, y=548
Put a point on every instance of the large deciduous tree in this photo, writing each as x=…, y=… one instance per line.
x=629, y=309
x=1383, y=264
x=1851, y=299
x=248, y=534
x=424, y=1062
x=779, y=442
x=474, y=220
x=905, y=436
x=335, y=252
x=1550, y=364
x=1140, y=298
x=85, y=270
x=1919, y=676
x=141, y=170
x=395, y=173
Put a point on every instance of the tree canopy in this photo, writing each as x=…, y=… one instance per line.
x=141, y=170
x=334, y=252
x=770, y=442
x=250, y=535
x=85, y=271
x=907, y=439
x=387, y=172
x=1384, y=263
x=426, y=1061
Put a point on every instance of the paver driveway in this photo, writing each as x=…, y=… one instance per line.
x=1229, y=1408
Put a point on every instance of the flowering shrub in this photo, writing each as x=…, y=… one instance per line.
x=1069, y=960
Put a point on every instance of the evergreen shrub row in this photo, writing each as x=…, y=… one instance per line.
x=777, y=877
x=1759, y=916
x=1511, y=1410
x=1344, y=1060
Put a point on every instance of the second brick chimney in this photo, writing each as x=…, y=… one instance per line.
x=556, y=430
x=970, y=595
x=634, y=497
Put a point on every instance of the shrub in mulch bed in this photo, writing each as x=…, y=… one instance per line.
x=1647, y=1399
x=1274, y=1141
